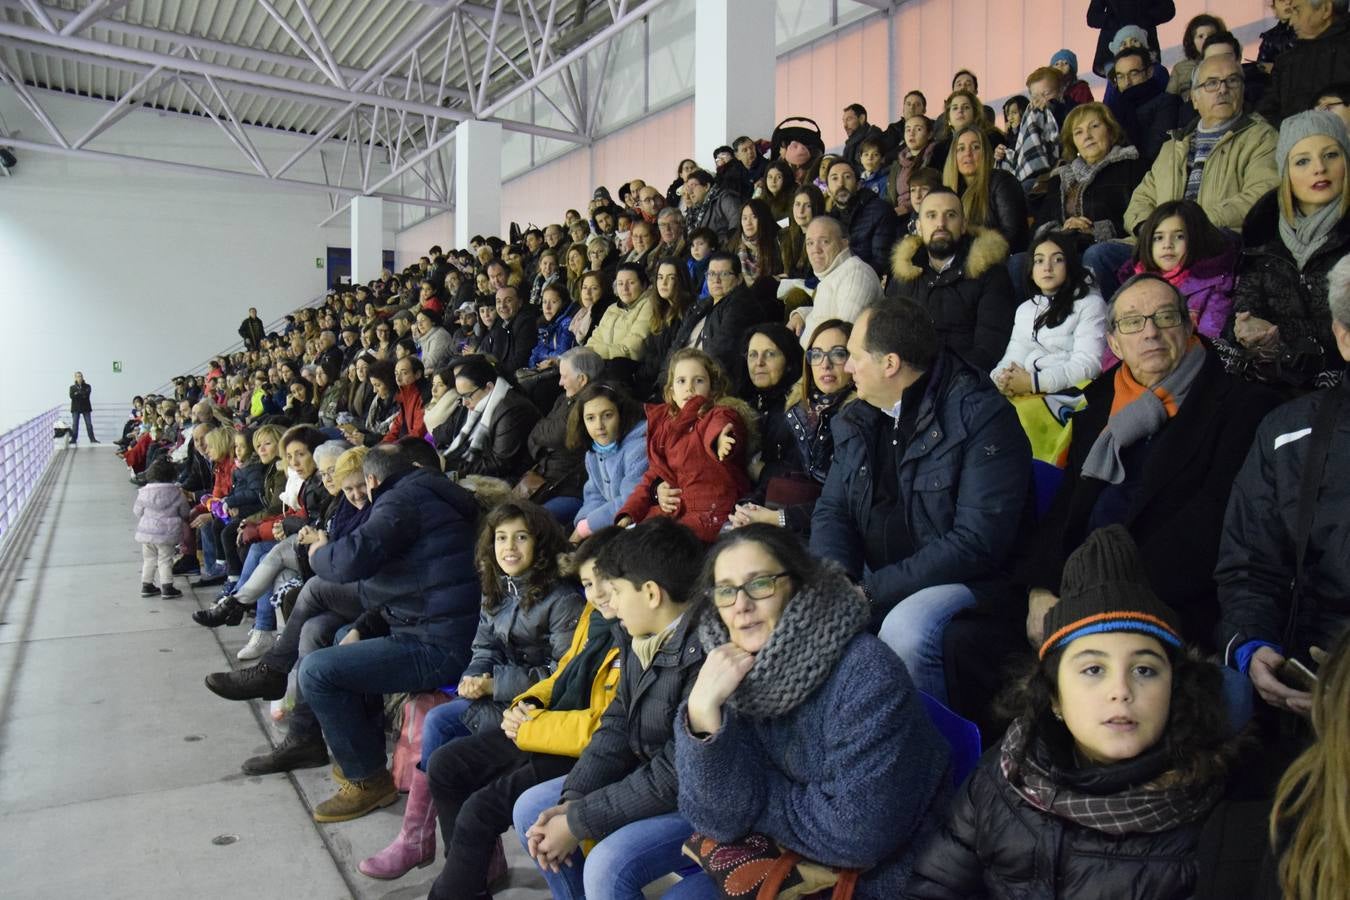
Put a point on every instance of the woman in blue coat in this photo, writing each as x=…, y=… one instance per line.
x=802, y=728
x=614, y=427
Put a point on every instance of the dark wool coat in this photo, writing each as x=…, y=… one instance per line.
x=1105, y=196
x=872, y=227
x=1177, y=513
x=828, y=779
x=971, y=303
x=79, y=398
x=1109, y=16
x=1306, y=68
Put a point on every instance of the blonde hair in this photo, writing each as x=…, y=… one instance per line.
x=220, y=441
x=349, y=463
x=272, y=431
x=1288, y=206
x=975, y=196
x=1068, y=149
x=1313, y=799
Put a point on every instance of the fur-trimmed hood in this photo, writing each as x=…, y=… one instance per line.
x=978, y=252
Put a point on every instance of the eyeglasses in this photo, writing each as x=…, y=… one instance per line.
x=718, y=276
x=1134, y=76
x=469, y=395
x=1211, y=85
x=758, y=588
x=836, y=355
x=1167, y=317
x=1331, y=105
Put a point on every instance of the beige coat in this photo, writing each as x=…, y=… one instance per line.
x=623, y=331
x=1239, y=171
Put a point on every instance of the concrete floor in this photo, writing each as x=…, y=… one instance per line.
x=119, y=771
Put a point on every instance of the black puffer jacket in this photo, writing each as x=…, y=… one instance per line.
x=1304, y=69
x=563, y=468
x=972, y=302
x=996, y=846
x=1271, y=287
x=1008, y=208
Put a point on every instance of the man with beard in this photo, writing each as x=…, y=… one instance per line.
x=959, y=277
x=870, y=222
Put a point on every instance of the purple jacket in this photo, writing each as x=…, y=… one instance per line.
x=161, y=512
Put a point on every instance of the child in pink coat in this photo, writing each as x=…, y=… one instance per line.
x=161, y=516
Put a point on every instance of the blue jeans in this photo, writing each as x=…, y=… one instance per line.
x=618, y=867
x=564, y=509
x=1104, y=260
x=344, y=686
x=913, y=629
x=266, y=617
x=442, y=725
x=697, y=886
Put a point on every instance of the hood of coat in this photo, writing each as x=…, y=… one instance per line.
x=978, y=252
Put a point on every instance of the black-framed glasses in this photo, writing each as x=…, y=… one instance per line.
x=1211, y=85
x=836, y=355
x=761, y=587
x=1167, y=317
x=469, y=395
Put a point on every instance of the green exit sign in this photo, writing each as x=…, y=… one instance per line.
x=117, y=365
x=318, y=262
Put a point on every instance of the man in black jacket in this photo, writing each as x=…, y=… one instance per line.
x=959, y=277
x=1320, y=56
x=1257, y=552
x=80, y=406
x=514, y=334
x=413, y=561
x=624, y=783
x=717, y=324
x=856, y=130
x=252, y=330
x=871, y=223
x=1146, y=111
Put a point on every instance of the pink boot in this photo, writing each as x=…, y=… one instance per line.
x=415, y=845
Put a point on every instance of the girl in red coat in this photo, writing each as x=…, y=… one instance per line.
x=697, y=443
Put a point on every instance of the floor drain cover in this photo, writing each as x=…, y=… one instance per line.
x=165, y=650
x=224, y=840
x=194, y=737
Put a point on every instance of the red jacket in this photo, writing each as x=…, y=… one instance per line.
x=409, y=418
x=223, y=478
x=682, y=451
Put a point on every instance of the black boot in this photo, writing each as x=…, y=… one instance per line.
x=256, y=682
x=295, y=752
x=228, y=611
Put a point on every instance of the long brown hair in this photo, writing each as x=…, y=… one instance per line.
x=549, y=544
x=1313, y=799
x=718, y=386
x=974, y=191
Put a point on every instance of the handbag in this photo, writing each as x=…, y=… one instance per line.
x=755, y=866
x=533, y=486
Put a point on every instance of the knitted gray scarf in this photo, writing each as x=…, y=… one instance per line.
x=806, y=644
x=1140, y=418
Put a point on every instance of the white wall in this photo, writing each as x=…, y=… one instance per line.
x=107, y=261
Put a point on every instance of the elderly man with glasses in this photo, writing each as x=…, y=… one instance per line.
x=1224, y=161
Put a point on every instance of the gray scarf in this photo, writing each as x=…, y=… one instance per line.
x=1306, y=234
x=1143, y=416
x=817, y=624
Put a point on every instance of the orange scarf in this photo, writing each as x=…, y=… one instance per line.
x=1128, y=390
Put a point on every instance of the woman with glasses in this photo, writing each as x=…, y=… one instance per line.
x=802, y=732
x=798, y=446
x=492, y=437
x=1281, y=329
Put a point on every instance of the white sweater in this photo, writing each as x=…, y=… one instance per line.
x=1062, y=356
x=845, y=289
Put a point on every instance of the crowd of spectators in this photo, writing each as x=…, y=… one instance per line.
x=697, y=508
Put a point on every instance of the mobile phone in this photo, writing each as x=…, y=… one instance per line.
x=1293, y=673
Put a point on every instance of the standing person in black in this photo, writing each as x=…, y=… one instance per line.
x=80, y=406
x=252, y=330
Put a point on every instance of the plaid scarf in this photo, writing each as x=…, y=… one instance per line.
x=1037, y=148
x=1143, y=804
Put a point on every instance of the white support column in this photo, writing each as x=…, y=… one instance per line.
x=478, y=180
x=734, y=70
x=367, y=236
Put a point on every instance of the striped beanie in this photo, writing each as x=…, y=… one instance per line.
x=1105, y=589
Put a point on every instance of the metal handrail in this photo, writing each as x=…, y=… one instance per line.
x=25, y=452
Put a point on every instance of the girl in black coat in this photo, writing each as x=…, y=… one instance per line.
x=1101, y=786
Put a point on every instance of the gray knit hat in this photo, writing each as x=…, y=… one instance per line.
x=1129, y=31
x=1306, y=124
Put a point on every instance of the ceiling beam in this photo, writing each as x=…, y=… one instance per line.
x=94, y=12
x=231, y=174
x=251, y=54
